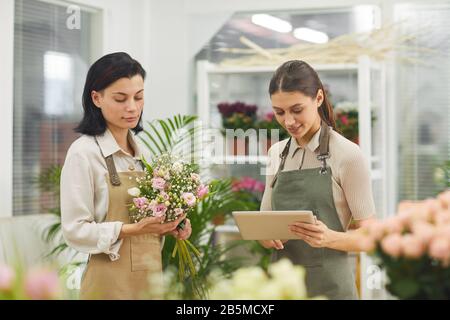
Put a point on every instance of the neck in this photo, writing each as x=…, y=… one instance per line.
x=121, y=137
x=303, y=141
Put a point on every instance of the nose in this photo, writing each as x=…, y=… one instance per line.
x=132, y=106
x=289, y=120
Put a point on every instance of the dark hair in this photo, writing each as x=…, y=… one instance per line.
x=297, y=75
x=102, y=74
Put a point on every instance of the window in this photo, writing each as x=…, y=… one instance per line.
x=423, y=100
x=51, y=59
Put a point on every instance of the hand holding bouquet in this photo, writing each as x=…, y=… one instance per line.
x=170, y=188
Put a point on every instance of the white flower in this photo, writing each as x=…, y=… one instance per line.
x=134, y=192
x=177, y=167
x=287, y=281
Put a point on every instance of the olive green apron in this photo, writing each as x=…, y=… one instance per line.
x=139, y=264
x=328, y=271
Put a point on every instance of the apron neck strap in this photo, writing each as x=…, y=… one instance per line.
x=324, y=151
x=324, y=147
x=112, y=171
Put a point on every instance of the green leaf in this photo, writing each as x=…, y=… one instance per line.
x=404, y=288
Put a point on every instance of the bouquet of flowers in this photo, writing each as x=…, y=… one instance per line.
x=170, y=188
x=414, y=248
x=237, y=115
x=283, y=281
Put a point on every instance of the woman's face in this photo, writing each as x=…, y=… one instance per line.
x=297, y=113
x=121, y=102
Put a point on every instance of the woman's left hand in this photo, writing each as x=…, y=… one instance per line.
x=183, y=234
x=316, y=235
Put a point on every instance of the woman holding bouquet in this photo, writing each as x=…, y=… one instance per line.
x=316, y=169
x=100, y=167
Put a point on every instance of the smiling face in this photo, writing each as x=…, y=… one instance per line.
x=298, y=113
x=121, y=103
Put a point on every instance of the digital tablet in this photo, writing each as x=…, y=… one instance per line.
x=269, y=225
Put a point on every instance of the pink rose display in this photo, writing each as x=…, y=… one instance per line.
x=414, y=248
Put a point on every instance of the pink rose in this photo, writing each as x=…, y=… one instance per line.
x=443, y=231
x=440, y=249
x=269, y=116
x=442, y=217
x=394, y=224
x=202, y=191
x=189, y=198
x=259, y=186
x=140, y=203
x=158, y=183
x=412, y=246
x=344, y=120
x=392, y=244
x=42, y=284
x=423, y=231
x=417, y=210
x=444, y=199
x=159, y=210
x=6, y=278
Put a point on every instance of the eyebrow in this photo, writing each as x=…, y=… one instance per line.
x=295, y=105
x=124, y=94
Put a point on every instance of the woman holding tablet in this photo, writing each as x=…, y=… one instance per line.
x=316, y=169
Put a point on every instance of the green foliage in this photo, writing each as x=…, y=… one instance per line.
x=49, y=181
x=442, y=176
x=222, y=201
x=415, y=279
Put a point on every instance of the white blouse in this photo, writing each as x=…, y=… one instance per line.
x=84, y=193
x=351, y=183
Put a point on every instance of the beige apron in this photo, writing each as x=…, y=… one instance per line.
x=139, y=265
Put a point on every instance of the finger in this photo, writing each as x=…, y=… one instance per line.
x=308, y=226
x=313, y=235
x=278, y=244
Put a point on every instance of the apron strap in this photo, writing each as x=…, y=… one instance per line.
x=112, y=171
x=283, y=156
x=324, y=150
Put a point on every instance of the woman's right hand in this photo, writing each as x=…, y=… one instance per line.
x=150, y=225
x=269, y=244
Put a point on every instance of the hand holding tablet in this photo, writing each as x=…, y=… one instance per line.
x=270, y=225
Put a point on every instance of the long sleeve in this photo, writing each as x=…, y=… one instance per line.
x=80, y=230
x=356, y=184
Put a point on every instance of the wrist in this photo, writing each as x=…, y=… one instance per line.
x=128, y=229
x=332, y=237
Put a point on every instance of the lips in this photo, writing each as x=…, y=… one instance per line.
x=294, y=130
x=131, y=119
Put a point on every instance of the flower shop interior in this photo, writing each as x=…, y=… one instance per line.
x=385, y=67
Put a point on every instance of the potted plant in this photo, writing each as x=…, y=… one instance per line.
x=237, y=115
